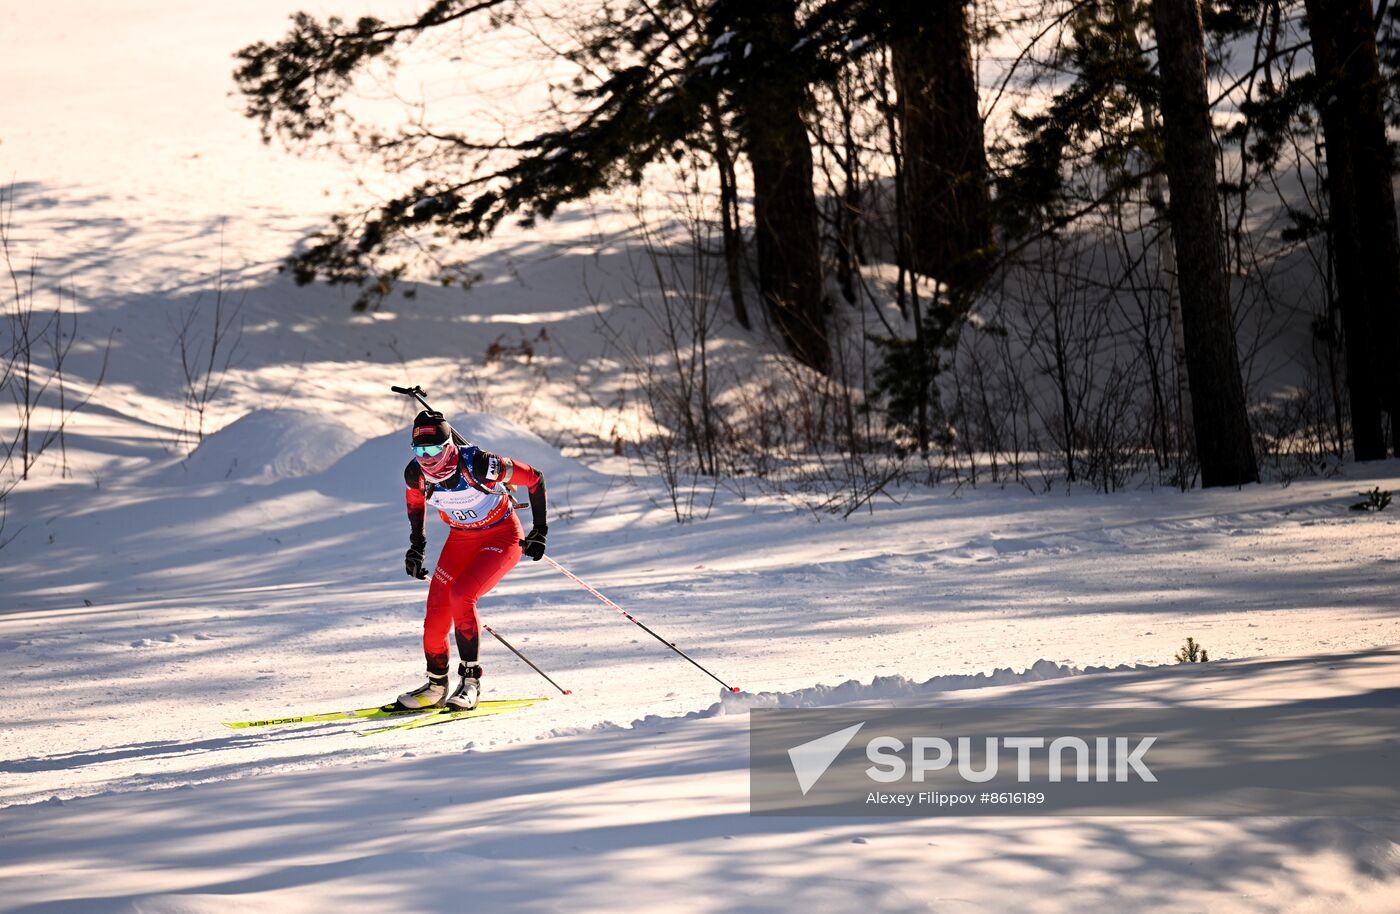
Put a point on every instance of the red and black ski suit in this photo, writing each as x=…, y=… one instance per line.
x=484, y=543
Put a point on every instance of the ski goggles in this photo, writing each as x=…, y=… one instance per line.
x=428, y=450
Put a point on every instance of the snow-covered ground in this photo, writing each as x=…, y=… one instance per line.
x=249, y=598
x=154, y=594
x=657, y=815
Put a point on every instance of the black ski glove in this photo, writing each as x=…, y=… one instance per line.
x=413, y=560
x=533, y=543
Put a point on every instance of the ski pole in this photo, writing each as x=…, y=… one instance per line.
x=417, y=393
x=510, y=647
x=630, y=618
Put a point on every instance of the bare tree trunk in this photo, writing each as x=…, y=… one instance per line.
x=1362, y=215
x=945, y=159
x=1157, y=198
x=902, y=248
x=1182, y=402
x=1221, y=424
x=729, y=222
x=848, y=228
x=784, y=204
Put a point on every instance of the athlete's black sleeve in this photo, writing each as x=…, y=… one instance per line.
x=416, y=503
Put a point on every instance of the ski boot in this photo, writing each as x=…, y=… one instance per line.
x=468, y=693
x=431, y=694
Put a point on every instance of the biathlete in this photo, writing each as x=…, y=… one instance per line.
x=467, y=486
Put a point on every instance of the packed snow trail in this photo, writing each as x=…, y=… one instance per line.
x=657, y=813
x=257, y=596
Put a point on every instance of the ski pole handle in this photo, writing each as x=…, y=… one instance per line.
x=415, y=391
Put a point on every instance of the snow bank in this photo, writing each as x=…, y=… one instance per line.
x=376, y=466
x=897, y=689
x=266, y=445
x=503, y=436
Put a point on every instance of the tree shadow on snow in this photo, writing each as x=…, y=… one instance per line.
x=531, y=826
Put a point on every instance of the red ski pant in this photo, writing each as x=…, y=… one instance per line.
x=471, y=563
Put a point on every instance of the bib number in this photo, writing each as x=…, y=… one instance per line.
x=465, y=516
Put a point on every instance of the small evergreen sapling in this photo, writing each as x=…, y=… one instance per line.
x=1191, y=652
x=1375, y=500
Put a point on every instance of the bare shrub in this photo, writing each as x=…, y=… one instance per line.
x=709, y=419
x=1293, y=435
x=208, y=336
x=674, y=292
x=34, y=352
